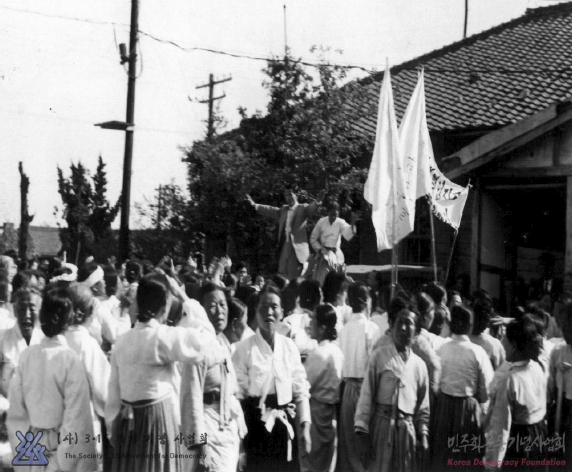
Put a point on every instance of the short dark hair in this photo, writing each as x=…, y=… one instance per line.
x=290, y=294
x=207, y=288
x=133, y=269
x=358, y=295
x=22, y=279
x=523, y=334
x=310, y=294
x=152, y=296
x=326, y=316
x=395, y=306
x=57, y=310
x=436, y=291
x=424, y=302
x=111, y=277
x=334, y=283
x=239, y=266
x=280, y=281
x=461, y=320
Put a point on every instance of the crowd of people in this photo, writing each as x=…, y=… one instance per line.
x=169, y=367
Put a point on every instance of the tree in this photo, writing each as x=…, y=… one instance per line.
x=306, y=139
x=165, y=226
x=25, y=218
x=87, y=212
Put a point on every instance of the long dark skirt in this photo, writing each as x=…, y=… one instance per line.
x=267, y=451
x=146, y=443
x=348, y=448
x=526, y=442
x=456, y=433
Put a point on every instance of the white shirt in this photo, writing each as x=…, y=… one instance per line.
x=7, y=320
x=326, y=234
x=492, y=346
x=560, y=354
x=143, y=362
x=356, y=341
x=95, y=363
x=466, y=369
x=435, y=341
x=113, y=305
x=195, y=316
x=300, y=324
x=12, y=345
x=50, y=393
x=521, y=399
x=261, y=371
x=103, y=325
x=324, y=370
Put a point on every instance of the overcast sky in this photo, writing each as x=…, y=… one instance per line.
x=59, y=76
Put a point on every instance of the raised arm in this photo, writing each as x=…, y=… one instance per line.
x=264, y=210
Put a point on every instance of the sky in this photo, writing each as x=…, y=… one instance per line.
x=60, y=74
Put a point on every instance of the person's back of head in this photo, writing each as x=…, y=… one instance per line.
x=133, y=270
x=524, y=336
x=111, y=278
x=82, y=300
x=4, y=289
x=310, y=294
x=461, y=320
x=290, y=295
x=437, y=292
x=280, y=281
x=56, y=312
x=152, y=295
x=358, y=297
x=334, y=284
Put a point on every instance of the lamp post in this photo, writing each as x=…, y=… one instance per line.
x=128, y=127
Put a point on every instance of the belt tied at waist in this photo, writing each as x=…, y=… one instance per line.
x=386, y=411
x=127, y=408
x=272, y=412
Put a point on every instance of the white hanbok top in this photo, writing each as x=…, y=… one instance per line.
x=103, y=325
x=519, y=398
x=357, y=338
x=261, y=371
x=326, y=234
x=95, y=363
x=50, y=393
x=466, y=369
x=12, y=344
x=143, y=363
x=324, y=371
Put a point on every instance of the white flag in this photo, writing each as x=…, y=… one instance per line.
x=422, y=176
x=385, y=188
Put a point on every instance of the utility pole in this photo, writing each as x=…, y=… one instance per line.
x=128, y=157
x=159, y=209
x=466, y=17
x=211, y=100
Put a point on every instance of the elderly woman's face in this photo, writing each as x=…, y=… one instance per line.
x=215, y=305
x=403, y=329
x=269, y=312
x=27, y=309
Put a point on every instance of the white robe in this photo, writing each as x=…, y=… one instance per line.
x=50, y=393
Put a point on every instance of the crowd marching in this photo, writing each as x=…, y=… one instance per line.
x=173, y=367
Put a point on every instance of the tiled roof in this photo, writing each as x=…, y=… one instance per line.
x=488, y=80
x=45, y=241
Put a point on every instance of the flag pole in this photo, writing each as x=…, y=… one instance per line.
x=394, y=223
x=450, y=257
x=433, y=251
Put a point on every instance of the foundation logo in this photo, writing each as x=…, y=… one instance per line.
x=30, y=451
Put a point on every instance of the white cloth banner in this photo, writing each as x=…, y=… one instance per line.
x=422, y=176
x=385, y=187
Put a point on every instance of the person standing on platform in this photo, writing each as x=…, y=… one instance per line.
x=326, y=239
x=292, y=235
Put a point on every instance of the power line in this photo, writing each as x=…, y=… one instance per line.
x=428, y=70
